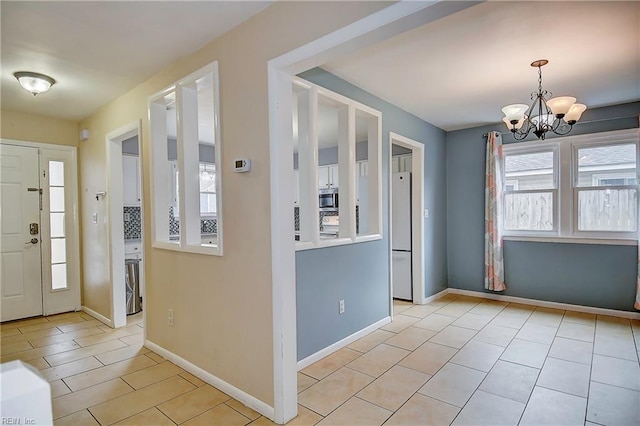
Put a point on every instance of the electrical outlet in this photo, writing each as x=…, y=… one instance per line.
x=341, y=307
x=426, y=213
x=170, y=316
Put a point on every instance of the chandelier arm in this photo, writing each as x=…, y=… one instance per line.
x=559, y=132
x=520, y=136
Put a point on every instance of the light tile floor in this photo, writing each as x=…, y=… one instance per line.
x=459, y=360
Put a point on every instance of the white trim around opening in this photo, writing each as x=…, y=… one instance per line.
x=417, y=221
x=381, y=25
x=115, y=202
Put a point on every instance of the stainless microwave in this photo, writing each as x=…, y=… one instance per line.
x=328, y=199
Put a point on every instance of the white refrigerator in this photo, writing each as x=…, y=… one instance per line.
x=401, y=235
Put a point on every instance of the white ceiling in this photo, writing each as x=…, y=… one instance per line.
x=99, y=50
x=455, y=73
x=458, y=72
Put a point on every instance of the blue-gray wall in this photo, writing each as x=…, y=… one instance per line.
x=359, y=273
x=591, y=275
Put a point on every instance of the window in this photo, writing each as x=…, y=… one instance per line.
x=337, y=168
x=57, y=229
x=530, y=192
x=577, y=187
x=186, y=184
x=606, y=188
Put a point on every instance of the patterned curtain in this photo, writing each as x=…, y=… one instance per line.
x=493, y=261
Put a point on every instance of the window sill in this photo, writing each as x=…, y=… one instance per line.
x=573, y=240
x=334, y=242
x=208, y=249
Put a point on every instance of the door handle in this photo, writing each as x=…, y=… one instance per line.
x=33, y=241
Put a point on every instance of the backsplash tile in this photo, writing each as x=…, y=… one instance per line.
x=207, y=226
x=296, y=218
x=174, y=225
x=133, y=226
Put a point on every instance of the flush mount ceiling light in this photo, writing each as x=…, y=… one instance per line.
x=33, y=82
x=557, y=115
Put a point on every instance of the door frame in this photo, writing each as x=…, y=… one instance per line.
x=115, y=221
x=73, y=271
x=417, y=209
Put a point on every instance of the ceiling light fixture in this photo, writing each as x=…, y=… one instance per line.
x=33, y=82
x=557, y=115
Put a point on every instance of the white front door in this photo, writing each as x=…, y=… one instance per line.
x=20, y=256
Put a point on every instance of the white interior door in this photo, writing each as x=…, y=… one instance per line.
x=20, y=257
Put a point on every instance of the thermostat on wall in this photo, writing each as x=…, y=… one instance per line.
x=241, y=165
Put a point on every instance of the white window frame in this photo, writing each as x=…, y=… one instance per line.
x=566, y=216
x=522, y=149
x=187, y=164
x=593, y=141
x=308, y=172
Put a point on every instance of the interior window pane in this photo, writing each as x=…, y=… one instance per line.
x=206, y=132
x=59, y=276
x=530, y=211
x=608, y=210
x=56, y=173
x=363, y=122
x=301, y=158
x=207, y=204
x=530, y=171
x=329, y=132
x=57, y=225
x=56, y=199
x=607, y=165
x=172, y=158
x=207, y=177
x=58, y=250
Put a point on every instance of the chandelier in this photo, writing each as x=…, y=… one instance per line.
x=557, y=115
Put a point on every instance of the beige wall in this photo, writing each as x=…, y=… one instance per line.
x=35, y=128
x=222, y=305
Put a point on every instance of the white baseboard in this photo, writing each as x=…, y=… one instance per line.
x=248, y=400
x=435, y=296
x=341, y=344
x=98, y=316
x=545, y=304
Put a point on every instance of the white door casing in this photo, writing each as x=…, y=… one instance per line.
x=417, y=208
x=20, y=259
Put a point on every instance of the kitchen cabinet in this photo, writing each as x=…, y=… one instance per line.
x=362, y=171
x=131, y=180
x=401, y=163
x=173, y=184
x=328, y=176
x=362, y=168
x=406, y=163
x=296, y=188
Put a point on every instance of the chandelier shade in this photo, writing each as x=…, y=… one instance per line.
x=560, y=106
x=546, y=114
